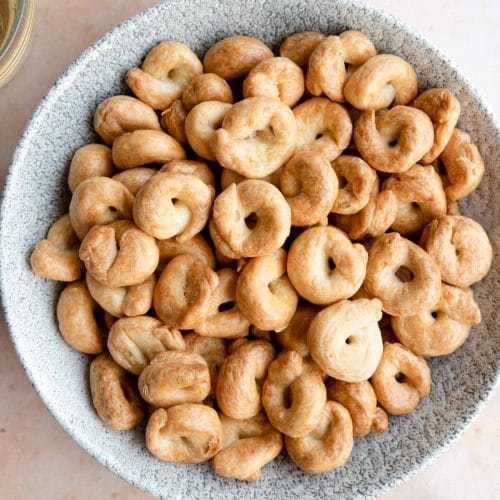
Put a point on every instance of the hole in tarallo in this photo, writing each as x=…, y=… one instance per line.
x=331, y=264
x=288, y=398
x=349, y=340
x=174, y=200
x=404, y=274
x=434, y=314
x=251, y=220
x=400, y=377
x=225, y=306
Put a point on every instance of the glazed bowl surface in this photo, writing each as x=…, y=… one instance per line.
x=36, y=194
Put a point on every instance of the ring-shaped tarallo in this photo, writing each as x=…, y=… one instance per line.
x=328, y=445
x=277, y=77
x=299, y=46
x=293, y=395
x=328, y=63
x=402, y=275
x=344, y=339
x=197, y=168
x=235, y=56
x=172, y=204
x=133, y=300
x=224, y=318
x=196, y=246
x=164, y=74
x=119, y=254
x=144, y=147
x=324, y=266
x=206, y=87
x=134, y=178
x=174, y=377
x=120, y=114
x=202, y=122
x=56, y=256
x=443, y=109
x=77, y=321
x=394, y=140
x=240, y=379
x=442, y=330
x=98, y=201
x=91, y=160
x=323, y=126
x=401, y=379
x=257, y=137
x=310, y=187
x=188, y=433
x=382, y=80
x=360, y=400
x=173, y=121
x=464, y=166
x=183, y=293
x=253, y=218
x=420, y=198
x=134, y=342
x=374, y=219
x=460, y=247
x=356, y=179
x=114, y=394
x=248, y=446
x=264, y=293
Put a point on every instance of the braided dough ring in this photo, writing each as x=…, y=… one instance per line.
x=257, y=137
x=360, y=400
x=233, y=207
x=401, y=379
x=442, y=330
x=344, y=339
x=189, y=433
x=172, y=204
x=328, y=445
x=323, y=127
x=119, y=254
x=404, y=292
x=165, y=73
x=248, y=446
x=409, y=128
x=464, y=166
x=264, y=293
x=326, y=72
x=356, y=180
x=184, y=291
x=309, y=186
x=420, y=196
x=460, y=247
x=293, y=395
x=324, y=266
x=224, y=322
x=206, y=87
x=381, y=80
x=241, y=377
x=443, y=109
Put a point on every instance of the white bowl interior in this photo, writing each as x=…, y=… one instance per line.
x=36, y=194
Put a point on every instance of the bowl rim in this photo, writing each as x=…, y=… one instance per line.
x=66, y=79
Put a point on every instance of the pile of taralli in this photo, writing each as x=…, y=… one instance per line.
x=264, y=249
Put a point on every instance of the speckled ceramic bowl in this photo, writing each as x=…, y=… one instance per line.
x=36, y=194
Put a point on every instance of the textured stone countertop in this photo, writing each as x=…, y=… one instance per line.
x=37, y=458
